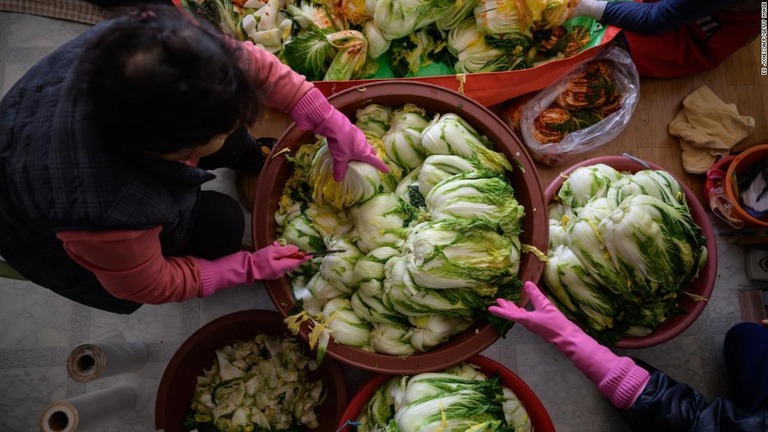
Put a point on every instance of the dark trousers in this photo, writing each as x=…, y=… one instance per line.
x=746, y=357
x=240, y=151
x=217, y=230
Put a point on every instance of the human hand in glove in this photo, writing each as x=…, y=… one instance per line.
x=345, y=141
x=271, y=262
x=618, y=378
x=587, y=8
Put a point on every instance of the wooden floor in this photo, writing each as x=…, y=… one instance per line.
x=737, y=81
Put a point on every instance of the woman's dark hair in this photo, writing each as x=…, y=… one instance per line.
x=161, y=81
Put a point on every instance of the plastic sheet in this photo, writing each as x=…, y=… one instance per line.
x=85, y=411
x=584, y=140
x=109, y=356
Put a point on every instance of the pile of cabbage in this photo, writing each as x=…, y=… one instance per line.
x=428, y=246
x=344, y=39
x=623, y=248
x=460, y=398
x=258, y=384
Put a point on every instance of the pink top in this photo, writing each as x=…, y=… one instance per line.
x=129, y=263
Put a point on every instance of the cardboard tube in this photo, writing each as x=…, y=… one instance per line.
x=84, y=411
x=107, y=357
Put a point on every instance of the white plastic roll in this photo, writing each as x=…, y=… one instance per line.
x=83, y=412
x=107, y=357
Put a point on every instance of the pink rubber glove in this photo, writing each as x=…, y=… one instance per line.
x=268, y=263
x=618, y=378
x=345, y=141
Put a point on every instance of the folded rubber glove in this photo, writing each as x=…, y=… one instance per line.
x=345, y=141
x=618, y=378
x=268, y=263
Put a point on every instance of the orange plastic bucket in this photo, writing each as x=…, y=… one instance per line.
x=740, y=164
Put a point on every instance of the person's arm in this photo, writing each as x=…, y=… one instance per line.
x=284, y=87
x=648, y=18
x=666, y=405
x=130, y=265
x=618, y=378
x=650, y=400
x=289, y=92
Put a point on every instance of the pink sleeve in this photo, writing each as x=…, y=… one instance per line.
x=283, y=86
x=131, y=266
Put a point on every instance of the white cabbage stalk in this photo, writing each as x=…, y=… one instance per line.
x=287, y=209
x=271, y=40
x=460, y=10
x=586, y=183
x=437, y=168
x=322, y=289
x=352, y=52
x=402, y=142
x=344, y=326
x=338, y=269
x=300, y=231
x=381, y=221
x=311, y=15
x=650, y=241
x=354, y=11
x=388, y=181
x=402, y=296
x=467, y=43
x=408, y=188
x=459, y=253
x=555, y=13
x=268, y=16
x=392, y=339
x=656, y=183
x=329, y=222
x=360, y=182
x=369, y=269
x=438, y=401
x=398, y=18
x=587, y=244
x=450, y=134
x=558, y=236
x=374, y=119
x=378, y=44
x=315, y=292
x=379, y=408
x=460, y=398
x=514, y=412
x=372, y=308
x=474, y=195
x=500, y=17
x=556, y=210
x=596, y=209
x=260, y=381
x=452, y=302
x=574, y=287
x=466, y=370
x=432, y=330
x=623, y=248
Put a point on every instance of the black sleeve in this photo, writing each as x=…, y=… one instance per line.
x=666, y=405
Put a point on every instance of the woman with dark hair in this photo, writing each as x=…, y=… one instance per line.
x=105, y=143
x=649, y=399
x=671, y=38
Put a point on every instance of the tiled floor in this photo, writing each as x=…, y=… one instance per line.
x=39, y=328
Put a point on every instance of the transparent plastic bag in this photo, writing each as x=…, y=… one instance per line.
x=625, y=77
